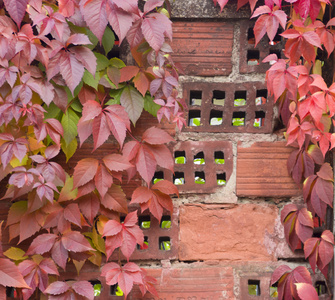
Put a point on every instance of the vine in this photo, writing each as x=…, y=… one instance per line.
x=306, y=106
x=59, y=84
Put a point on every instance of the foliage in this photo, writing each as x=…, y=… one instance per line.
x=58, y=84
x=306, y=106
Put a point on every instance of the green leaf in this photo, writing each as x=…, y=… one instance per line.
x=53, y=111
x=67, y=192
x=116, y=62
x=133, y=103
x=108, y=40
x=166, y=224
x=69, y=149
x=240, y=102
x=180, y=160
x=16, y=254
x=150, y=106
x=90, y=80
x=98, y=241
x=199, y=180
x=219, y=161
x=102, y=61
x=145, y=224
x=116, y=96
x=76, y=105
x=199, y=161
x=69, y=122
x=157, y=180
x=221, y=182
x=238, y=121
x=195, y=122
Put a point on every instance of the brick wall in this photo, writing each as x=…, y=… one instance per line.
x=225, y=232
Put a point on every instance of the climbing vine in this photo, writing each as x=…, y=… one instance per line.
x=60, y=84
x=306, y=106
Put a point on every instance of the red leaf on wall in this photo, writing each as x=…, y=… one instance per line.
x=124, y=276
x=84, y=171
x=16, y=9
x=115, y=199
x=298, y=225
x=10, y=275
x=42, y=244
x=89, y=205
x=126, y=235
x=306, y=291
x=222, y=3
x=75, y=242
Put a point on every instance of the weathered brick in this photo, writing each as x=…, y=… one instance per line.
x=226, y=232
x=203, y=48
x=262, y=171
x=200, y=283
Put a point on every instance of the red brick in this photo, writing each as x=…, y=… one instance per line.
x=262, y=171
x=203, y=48
x=226, y=232
x=200, y=283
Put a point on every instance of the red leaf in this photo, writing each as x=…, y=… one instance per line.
x=75, y=242
x=116, y=162
x=141, y=195
x=59, y=254
x=72, y=214
x=146, y=163
x=156, y=136
x=306, y=291
x=89, y=205
x=279, y=272
x=100, y=130
x=153, y=31
x=10, y=275
x=103, y=180
x=326, y=172
x=325, y=191
x=84, y=171
x=94, y=13
x=115, y=199
x=84, y=288
x=166, y=187
x=41, y=244
x=71, y=70
x=128, y=73
x=16, y=9
x=57, y=288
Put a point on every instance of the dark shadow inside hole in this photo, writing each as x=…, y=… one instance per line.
x=259, y=118
x=277, y=52
x=164, y=243
x=158, y=176
x=180, y=157
x=254, y=287
x=11, y=292
x=219, y=157
x=278, y=37
x=195, y=97
x=321, y=287
x=115, y=290
x=215, y=117
x=199, y=158
x=251, y=36
x=221, y=179
x=261, y=96
x=144, y=222
x=238, y=118
x=199, y=177
x=194, y=118
x=179, y=178
x=218, y=98
x=253, y=57
x=165, y=222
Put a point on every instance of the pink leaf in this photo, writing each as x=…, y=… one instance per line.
x=156, y=136
x=75, y=242
x=84, y=288
x=84, y=171
x=16, y=9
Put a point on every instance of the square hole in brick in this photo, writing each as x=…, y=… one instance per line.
x=240, y=98
x=199, y=158
x=219, y=157
x=164, y=243
x=218, y=98
x=158, y=176
x=145, y=244
x=194, y=118
x=215, y=117
x=253, y=57
x=116, y=291
x=238, y=118
x=97, y=287
x=165, y=222
x=321, y=287
x=180, y=157
x=251, y=36
x=261, y=96
x=254, y=287
x=259, y=118
x=179, y=178
x=122, y=218
x=199, y=177
x=274, y=290
x=11, y=292
x=195, y=97
x=221, y=178
x=144, y=222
